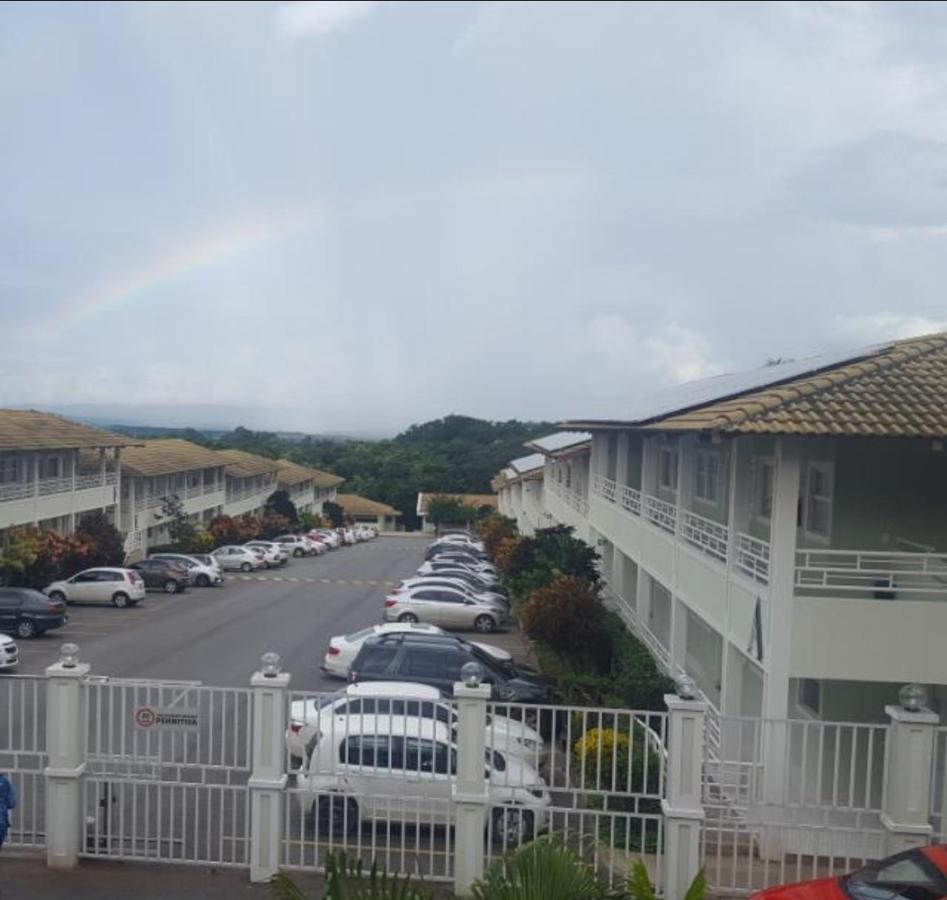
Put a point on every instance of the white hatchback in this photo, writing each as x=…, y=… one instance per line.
x=343, y=648
x=120, y=587
x=9, y=655
x=236, y=558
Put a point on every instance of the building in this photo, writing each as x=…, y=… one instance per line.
x=566, y=478
x=52, y=471
x=308, y=488
x=369, y=512
x=250, y=481
x=519, y=490
x=474, y=501
x=158, y=470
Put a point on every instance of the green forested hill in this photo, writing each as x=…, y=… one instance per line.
x=456, y=454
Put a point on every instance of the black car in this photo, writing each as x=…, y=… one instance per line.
x=27, y=613
x=160, y=573
x=436, y=660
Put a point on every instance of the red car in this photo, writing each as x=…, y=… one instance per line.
x=919, y=874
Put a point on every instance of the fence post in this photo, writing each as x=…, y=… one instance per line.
x=470, y=796
x=267, y=782
x=682, y=808
x=906, y=816
x=67, y=733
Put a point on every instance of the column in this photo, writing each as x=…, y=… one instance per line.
x=682, y=809
x=470, y=796
x=643, y=597
x=678, y=632
x=686, y=474
x=909, y=788
x=67, y=710
x=267, y=782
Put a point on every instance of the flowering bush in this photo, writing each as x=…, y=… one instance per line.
x=492, y=530
x=566, y=615
x=35, y=558
x=601, y=738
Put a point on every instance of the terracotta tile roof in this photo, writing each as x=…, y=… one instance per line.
x=477, y=501
x=291, y=473
x=898, y=391
x=325, y=479
x=163, y=457
x=241, y=464
x=28, y=429
x=355, y=506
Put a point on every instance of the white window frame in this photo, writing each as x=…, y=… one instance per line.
x=714, y=457
x=763, y=463
x=828, y=470
x=669, y=452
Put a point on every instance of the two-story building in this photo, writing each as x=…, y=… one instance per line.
x=52, y=470
x=566, y=479
x=250, y=481
x=471, y=501
x=157, y=471
x=308, y=488
x=519, y=489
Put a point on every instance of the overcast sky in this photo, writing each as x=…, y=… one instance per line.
x=355, y=216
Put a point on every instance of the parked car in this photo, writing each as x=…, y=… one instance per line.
x=476, y=583
x=439, y=547
x=274, y=554
x=358, y=774
x=170, y=577
x=27, y=613
x=9, y=654
x=465, y=559
x=348, y=536
x=204, y=570
x=331, y=538
x=120, y=587
x=436, y=659
x=296, y=545
x=317, y=546
x=343, y=648
x=235, y=558
x=447, y=607
x=400, y=698
x=918, y=874
x=447, y=581
x=438, y=567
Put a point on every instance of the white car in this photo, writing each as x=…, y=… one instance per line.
x=296, y=545
x=343, y=648
x=329, y=538
x=441, y=567
x=203, y=574
x=450, y=581
x=361, y=766
x=236, y=558
x=120, y=587
x=462, y=540
x=465, y=559
x=449, y=607
x=318, y=547
x=396, y=698
x=9, y=655
x=273, y=554
x=348, y=536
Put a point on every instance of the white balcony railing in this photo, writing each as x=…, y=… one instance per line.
x=609, y=489
x=55, y=486
x=711, y=537
x=15, y=491
x=570, y=497
x=630, y=499
x=660, y=513
x=877, y=574
x=752, y=557
x=93, y=480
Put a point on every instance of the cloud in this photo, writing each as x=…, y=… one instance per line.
x=486, y=22
x=312, y=19
x=672, y=355
x=886, y=326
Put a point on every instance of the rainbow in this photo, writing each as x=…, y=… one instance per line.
x=200, y=251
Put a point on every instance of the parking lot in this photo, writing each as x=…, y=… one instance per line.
x=217, y=635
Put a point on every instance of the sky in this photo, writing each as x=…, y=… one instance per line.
x=356, y=216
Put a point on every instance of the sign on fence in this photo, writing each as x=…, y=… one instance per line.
x=169, y=718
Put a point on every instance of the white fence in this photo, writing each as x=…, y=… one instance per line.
x=23, y=755
x=882, y=574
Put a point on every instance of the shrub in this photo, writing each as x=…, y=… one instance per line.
x=272, y=524
x=492, y=529
x=536, y=560
x=334, y=513
x=504, y=553
x=346, y=881
x=107, y=546
x=566, y=615
x=279, y=503
x=307, y=521
x=223, y=530
x=544, y=869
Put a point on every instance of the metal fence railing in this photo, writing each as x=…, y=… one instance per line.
x=23, y=755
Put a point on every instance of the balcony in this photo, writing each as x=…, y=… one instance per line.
x=873, y=574
x=50, y=498
x=571, y=498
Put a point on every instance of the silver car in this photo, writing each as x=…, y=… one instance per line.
x=273, y=554
x=240, y=558
x=447, y=607
x=203, y=574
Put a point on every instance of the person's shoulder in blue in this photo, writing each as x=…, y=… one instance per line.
x=7, y=802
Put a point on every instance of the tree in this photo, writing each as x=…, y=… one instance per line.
x=107, y=544
x=566, y=614
x=493, y=529
x=443, y=510
x=334, y=513
x=273, y=524
x=223, y=529
x=20, y=550
x=279, y=503
x=181, y=530
x=536, y=560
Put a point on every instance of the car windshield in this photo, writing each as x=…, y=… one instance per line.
x=360, y=635
x=904, y=877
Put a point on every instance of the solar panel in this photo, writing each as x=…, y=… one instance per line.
x=528, y=463
x=560, y=440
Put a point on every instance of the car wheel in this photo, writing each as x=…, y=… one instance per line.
x=58, y=596
x=25, y=629
x=246, y=567
x=298, y=552
x=203, y=581
x=484, y=624
x=336, y=815
x=407, y=617
x=120, y=600
x=512, y=826
x=171, y=586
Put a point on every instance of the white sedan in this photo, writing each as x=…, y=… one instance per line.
x=236, y=558
x=330, y=712
x=343, y=648
x=9, y=656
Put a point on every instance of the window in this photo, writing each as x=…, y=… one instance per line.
x=50, y=467
x=908, y=876
x=422, y=755
x=9, y=470
x=708, y=477
x=810, y=695
x=818, y=509
x=374, y=660
x=765, y=480
x=379, y=750
x=425, y=663
x=667, y=468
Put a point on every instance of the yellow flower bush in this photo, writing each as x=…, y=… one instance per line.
x=604, y=738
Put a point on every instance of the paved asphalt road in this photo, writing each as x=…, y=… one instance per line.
x=217, y=635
